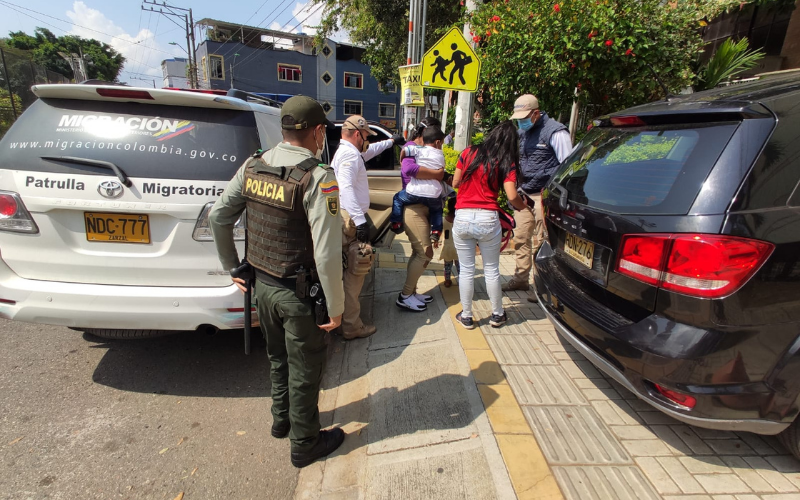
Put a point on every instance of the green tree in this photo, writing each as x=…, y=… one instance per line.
x=102, y=61
x=381, y=27
x=601, y=47
x=730, y=59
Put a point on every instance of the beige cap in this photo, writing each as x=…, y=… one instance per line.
x=357, y=122
x=524, y=105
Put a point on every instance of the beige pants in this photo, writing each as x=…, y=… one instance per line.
x=527, y=236
x=353, y=283
x=418, y=230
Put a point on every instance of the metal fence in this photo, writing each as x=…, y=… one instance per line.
x=18, y=73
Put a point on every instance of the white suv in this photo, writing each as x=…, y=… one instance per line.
x=104, y=194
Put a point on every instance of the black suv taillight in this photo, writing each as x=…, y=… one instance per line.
x=14, y=216
x=701, y=265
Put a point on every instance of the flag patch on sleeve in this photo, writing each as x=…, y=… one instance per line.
x=329, y=187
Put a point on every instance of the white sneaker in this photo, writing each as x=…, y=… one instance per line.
x=425, y=299
x=410, y=302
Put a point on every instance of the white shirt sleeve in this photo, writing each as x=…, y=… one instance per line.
x=561, y=142
x=375, y=149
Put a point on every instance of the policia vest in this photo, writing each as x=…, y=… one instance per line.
x=278, y=234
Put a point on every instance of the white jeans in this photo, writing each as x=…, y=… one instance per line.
x=476, y=226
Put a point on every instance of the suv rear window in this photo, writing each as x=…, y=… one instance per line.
x=643, y=170
x=144, y=140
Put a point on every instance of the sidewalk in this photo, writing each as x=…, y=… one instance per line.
x=434, y=411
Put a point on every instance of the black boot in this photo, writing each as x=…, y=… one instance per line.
x=327, y=444
x=280, y=430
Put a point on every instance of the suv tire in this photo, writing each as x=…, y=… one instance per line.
x=790, y=438
x=110, y=334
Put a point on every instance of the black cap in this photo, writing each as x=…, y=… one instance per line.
x=302, y=112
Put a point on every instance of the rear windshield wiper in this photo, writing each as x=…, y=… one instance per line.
x=93, y=163
x=563, y=195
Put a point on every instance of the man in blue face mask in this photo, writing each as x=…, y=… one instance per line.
x=543, y=145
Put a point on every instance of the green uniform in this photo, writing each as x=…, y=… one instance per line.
x=295, y=344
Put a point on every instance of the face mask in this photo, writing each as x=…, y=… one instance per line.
x=525, y=124
x=320, y=148
x=364, y=145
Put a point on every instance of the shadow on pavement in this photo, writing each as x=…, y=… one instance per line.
x=185, y=364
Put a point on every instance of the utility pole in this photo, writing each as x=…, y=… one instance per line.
x=465, y=107
x=169, y=11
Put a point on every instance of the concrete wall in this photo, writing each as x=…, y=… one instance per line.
x=791, y=45
x=174, y=71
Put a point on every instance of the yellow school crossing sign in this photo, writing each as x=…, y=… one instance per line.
x=451, y=64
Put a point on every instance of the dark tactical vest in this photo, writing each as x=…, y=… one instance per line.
x=278, y=235
x=537, y=159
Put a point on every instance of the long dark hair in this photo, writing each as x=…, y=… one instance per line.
x=425, y=122
x=498, y=155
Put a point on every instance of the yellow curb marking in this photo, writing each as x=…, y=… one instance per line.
x=530, y=474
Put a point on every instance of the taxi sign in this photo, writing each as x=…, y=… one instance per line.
x=451, y=64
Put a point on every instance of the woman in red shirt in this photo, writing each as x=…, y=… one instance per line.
x=480, y=173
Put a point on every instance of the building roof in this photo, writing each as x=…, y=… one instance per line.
x=248, y=34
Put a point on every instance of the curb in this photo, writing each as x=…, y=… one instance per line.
x=531, y=476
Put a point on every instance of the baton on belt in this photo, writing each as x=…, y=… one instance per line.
x=246, y=272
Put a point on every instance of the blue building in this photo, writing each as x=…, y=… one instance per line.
x=274, y=62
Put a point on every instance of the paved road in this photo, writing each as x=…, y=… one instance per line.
x=87, y=418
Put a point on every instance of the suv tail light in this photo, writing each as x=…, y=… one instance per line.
x=700, y=265
x=14, y=216
x=677, y=397
x=202, y=231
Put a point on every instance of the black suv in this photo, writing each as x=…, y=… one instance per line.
x=672, y=254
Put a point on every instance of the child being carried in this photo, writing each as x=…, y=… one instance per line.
x=425, y=191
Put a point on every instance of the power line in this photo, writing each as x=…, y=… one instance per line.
x=11, y=5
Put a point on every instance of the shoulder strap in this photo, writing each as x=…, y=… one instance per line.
x=300, y=170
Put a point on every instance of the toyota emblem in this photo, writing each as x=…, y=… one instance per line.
x=110, y=189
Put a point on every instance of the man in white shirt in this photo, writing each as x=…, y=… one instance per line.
x=351, y=174
x=543, y=145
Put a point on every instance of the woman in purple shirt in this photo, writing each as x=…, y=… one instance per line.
x=417, y=226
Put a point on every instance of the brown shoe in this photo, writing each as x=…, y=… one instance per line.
x=366, y=331
x=448, y=283
x=514, y=284
x=532, y=297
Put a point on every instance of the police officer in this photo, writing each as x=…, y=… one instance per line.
x=351, y=173
x=543, y=144
x=294, y=230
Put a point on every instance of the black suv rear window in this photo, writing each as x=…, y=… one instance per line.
x=643, y=170
x=144, y=140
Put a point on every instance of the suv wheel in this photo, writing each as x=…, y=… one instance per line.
x=791, y=438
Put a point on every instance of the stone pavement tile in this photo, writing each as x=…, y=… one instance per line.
x=600, y=394
x=574, y=435
x=656, y=417
x=519, y=350
x=616, y=413
x=647, y=448
x=502, y=409
x=343, y=469
x=562, y=346
x=579, y=369
x=547, y=336
x=568, y=356
x=722, y=483
x=631, y=432
x=752, y=478
x=671, y=439
x=759, y=444
x=602, y=483
x=688, y=497
x=682, y=477
x=781, y=496
x=773, y=477
x=350, y=494
x=485, y=368
x=658, y=477
x=784, y=463
x=730, y=447
x=543, y=385
x=714, y=434
x=430, y=473
x=692, y=440
x=517, y=325
x=591, y=383
x=531, y=476
x=705, y=465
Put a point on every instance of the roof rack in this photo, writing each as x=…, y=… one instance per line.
x=250, y=97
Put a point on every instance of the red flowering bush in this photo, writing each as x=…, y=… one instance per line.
x=533, y=51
